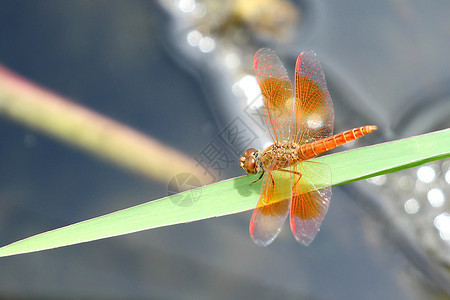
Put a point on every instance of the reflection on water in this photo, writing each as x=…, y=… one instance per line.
x=419, y=197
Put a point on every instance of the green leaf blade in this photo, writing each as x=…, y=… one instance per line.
x=236, y=195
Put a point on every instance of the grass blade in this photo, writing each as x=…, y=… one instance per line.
x=236, y=195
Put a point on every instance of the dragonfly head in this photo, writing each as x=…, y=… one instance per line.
x=250, y=162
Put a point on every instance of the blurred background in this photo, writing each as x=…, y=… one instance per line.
x=181, y=71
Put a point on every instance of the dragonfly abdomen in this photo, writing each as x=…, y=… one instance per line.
x=313, y=149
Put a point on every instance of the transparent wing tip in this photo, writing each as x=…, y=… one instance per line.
x=304, y=231
x=262, y=237
x=262, y=243
x=304, y=239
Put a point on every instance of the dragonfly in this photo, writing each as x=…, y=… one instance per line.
x=300, y=123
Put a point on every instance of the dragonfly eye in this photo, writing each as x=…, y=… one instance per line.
x=249, y=165
x=249, y=161
x=250, y=152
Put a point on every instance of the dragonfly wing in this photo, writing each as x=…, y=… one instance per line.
x=314, y=113
x=277, y=92
x=311, y=195
x=272, y=209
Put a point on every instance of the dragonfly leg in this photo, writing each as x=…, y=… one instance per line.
x=262, y=173
x=271, y=178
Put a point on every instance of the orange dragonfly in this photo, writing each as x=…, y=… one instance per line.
x=301, y=126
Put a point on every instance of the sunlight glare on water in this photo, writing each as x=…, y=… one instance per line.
x=412, y=206
x=406, y=183
x=436, y=197
x=194, y=37
x=248, y=86
x=426, y=174
x=186, y=6
x=232, y=60
x=442, y=223
x=207, y=44
x=199, y=11
x=378, y=180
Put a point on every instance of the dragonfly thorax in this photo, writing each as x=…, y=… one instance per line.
x=278, y=156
